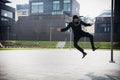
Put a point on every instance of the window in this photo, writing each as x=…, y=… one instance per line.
x=56, y=5
x=105, y=27
x=105, y=30
x=37, y=7
x=57, y=12
x=6, y=13
x=4, y=19
x=24, y=12
x=66, y=6
x=108, y=29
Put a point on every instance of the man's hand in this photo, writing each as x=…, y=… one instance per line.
x=91, y=24
x=59, y=29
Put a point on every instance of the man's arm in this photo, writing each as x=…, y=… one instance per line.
x=63, y=29
x=86, y=24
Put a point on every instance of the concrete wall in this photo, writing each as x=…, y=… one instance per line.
x=40, y=27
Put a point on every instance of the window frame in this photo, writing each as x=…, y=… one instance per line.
x=56, y=5
x=37, y=7
x=66, y=5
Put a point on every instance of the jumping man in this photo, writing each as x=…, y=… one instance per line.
x=78, y=33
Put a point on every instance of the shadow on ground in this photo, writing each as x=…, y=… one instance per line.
x=93, y=76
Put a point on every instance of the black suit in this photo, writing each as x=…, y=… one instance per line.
x=78, y=33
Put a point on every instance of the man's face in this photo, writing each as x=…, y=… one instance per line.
x=75, y=20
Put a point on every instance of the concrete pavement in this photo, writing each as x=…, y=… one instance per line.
x=58, y=64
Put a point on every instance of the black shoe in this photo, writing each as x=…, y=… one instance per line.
x=84, y=54
x=95, y=48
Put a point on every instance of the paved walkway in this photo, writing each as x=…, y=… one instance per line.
x=58, y=64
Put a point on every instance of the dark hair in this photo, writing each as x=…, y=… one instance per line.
x=75, y=16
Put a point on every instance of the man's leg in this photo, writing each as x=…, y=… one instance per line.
x=77, y=46
x=91, y=40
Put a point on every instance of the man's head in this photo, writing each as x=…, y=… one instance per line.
x=75, y=19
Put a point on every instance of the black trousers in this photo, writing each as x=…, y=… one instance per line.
x=77, y=38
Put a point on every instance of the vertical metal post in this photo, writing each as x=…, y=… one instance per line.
x=8, y=33
x=70, y=31
x=70, y=37
x=111, y=37
x=50, y=33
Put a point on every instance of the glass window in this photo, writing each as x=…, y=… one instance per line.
x=108, y=29
x=56, y=5
x=37, y=7
x=105, y=29
x=57, y=12
x=4, y=19
x=24, y=12
x=66, y=6
x=103, y=25
x=7, y=13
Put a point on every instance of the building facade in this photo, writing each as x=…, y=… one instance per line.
x=44, y=18
x=68, y=7
x=41, y=28
x=7, y=21
x=22, y=10
x=103, y=27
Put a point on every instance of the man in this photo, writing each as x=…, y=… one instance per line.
x=78, y=33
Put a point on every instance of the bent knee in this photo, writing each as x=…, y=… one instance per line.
x=75, y=44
